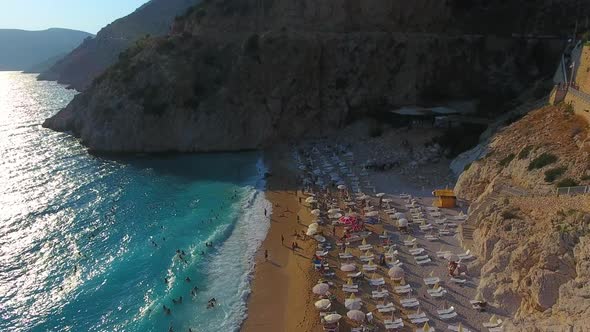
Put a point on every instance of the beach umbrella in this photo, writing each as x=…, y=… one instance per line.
x=310, y=200
x=352, y=304
x=313, y=225
x=323, y=304
x=335, y=216
x=342, y=187
x=460, y=327
x=398, y=215
x=356, y=315
x=333, y=210
x=380, y=195
x=320, y=289
x=396, y=272
x=349, y=281
x=402, y=223
x=332, y=318
x=316, y=212
x=320, y=238
x=426, y=327
x=451, y=257
x=364, y=243
x=348, y=267
x=372, y=214
x=311, y=232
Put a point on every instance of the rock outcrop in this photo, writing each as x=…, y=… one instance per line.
x=532, y=245
x=244, y=74
x=93, y=56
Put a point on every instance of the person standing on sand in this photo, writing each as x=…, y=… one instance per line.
x=266, y=255
x=265, y=212
x=282, y=239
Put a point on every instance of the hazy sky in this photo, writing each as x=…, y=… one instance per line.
x=85, y=15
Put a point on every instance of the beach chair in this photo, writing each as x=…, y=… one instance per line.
x=467, y=255
x=379, y=294
x=416, y=251
x=445, y=311
x=321, y=253
x=409, y=242
x=402, y=289
x=425, y=228
x=417, y=315
x=383, y=306
x=431, y=281
x=455, y=328
x=442, y=254
x=458, y=281
x=423, y=261
x=365, y=247
x=448, y=316
x=396, y=263
x=369, y=268
x=366, y=258
x=431, y=237
x=377, y=282
x=409, y=303
x=496, y=329
x=492, y=324
x=355, y=275
x=345, y=255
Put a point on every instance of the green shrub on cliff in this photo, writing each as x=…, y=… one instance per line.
x=505, y=161
x=524, y=153
x=552, y=174
x=542, y=161
x=569, y=182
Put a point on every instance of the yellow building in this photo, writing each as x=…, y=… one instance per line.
x=445, y=198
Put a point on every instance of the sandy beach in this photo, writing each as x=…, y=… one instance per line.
x=281, y=287
x=281, y=298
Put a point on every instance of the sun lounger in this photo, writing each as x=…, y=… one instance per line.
x=379, y=294
x=364, y=247
x=366, y=258
x=496, y=329
x=321, y=253
x=455, y=328
x=426, y=227
x=442, y=254
x=444, y=232
x=410, y=304
x=355, y=275
x=420, y=258
x=445, y=311
x=417, y=315
x=350, y=286
x=431, y=281
x=345, y=255
x=377, y=282
x=403, y=289
x=410, y=300
x=350, y=290
x=391, y=254
x=423, y=262
x=409, y=243
x=431, y=237
x=416, y=252
x=396, y=263
x=448, y=316
x=369, y=268
x=467, y=255
x=458, y=281
x=419, y=320
x=422, y=329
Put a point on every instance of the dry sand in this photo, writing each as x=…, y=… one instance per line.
x=281, y=289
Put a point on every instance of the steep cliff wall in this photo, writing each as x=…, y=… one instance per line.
x=241, y=74
x=532, y=246
x=93, y=56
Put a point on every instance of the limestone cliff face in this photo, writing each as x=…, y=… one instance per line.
x=243, y=74
x=532, y=245
x=94, y=55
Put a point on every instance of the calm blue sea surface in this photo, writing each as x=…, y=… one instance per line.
x=86, y=243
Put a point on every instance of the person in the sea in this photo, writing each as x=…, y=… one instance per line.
x=166, y=280
x=187, y=279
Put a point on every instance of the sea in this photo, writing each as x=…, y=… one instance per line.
x=92, y=243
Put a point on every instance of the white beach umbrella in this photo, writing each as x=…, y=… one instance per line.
x=336, y=216
x=402, y=223
x=323, y=304
x=396, y=272
x=348, y=267
x=332, y=318
x=313, y=225
x=311, y=232
x=356, y=315
x=310, y=199
x=315, y=212
x=320, y=289
x=341, y=187
x=380, y=195
x=352, y=304
x=372, y=214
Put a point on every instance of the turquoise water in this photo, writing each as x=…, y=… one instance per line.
x=87, y=242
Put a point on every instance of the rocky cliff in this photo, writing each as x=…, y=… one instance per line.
x=242, y=74
x=533, y=246
x=93, y=56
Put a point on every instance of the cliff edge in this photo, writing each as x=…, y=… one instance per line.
x=239, y=74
